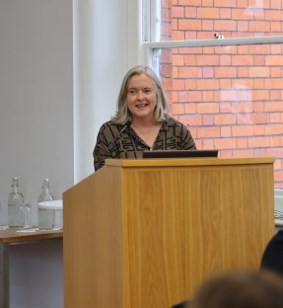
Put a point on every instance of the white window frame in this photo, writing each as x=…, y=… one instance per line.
x=152, y=44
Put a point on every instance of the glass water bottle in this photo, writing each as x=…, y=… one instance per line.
x=15, y=205
x=45, y=214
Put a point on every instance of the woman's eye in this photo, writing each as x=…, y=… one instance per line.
x=132, y=92
x=147, y=91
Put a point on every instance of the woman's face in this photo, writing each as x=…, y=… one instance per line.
x=141, y=97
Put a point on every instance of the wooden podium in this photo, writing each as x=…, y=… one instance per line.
x=145, y=233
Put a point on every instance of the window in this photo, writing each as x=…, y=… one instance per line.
x=220, y=64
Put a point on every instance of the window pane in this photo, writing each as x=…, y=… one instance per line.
x=185, y=20
x=230, y=97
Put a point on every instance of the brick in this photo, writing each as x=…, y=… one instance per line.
x=166, y=15
x=225, y=153
x=243, y=153
x=178, y=35
x=207, y=96
x=189, y=60
x=241, y=14
x=225, y=13
x=190, y=35
x=258, y=107
x=273, y=106
x=258, y=83
x=235, y=95
x=259, y=118
x=178, y=12
x=242, y=143
x=275, y=72
x=276, y=49
x=243, y=72
x=259, y=26
x=190, y=84
x=225, y=83
x=208, y=13
x=207, y=119
x=275, y=4
x=274, y=129
x=242, y=49
x=242, y=60
x=259, y=130
x=242, y=130
x=274, y=83
x=242, y=26
x=208, y=144
x=192, y=120
x=260, y=95
x=277, y=141
x=175, y=72
x=243, y=83
x=273, y=60
x=275, y=26
x=190, y=72
x=190, y=12
x=206, y=132
x=190, y=2
x=228, y=25
x=224, y=119
x=225, y=131
x=166, y=56
x=275, y=117
x=228, y=72
x=225, y=107
x=195, y=96
x=259, y=71
x=183, y=96
x=275, y=95
x=259, y=49
x=242, y=3
x=177, y=108
x=259, y=60
x=174, y=97
x=208, y=108
x=205, y=35
x=225, y=143
x=244, y=118
x=168, y=84
x=190, y=108
x=178, y=60
x=208, y=72
x=191, y=24
x=225, y=60
x=225, y=3
x=207, y=60
x=207, y=25
x=207, y=84
x=207, y=3
x=178, y=84
x=166, y=70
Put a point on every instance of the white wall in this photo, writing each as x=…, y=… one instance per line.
x=36, y=102
x=36, y=131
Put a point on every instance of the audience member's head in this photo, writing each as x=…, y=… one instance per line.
x=240, y=290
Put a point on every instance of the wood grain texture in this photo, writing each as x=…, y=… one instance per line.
x=144, y=236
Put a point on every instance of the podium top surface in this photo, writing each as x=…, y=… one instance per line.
x=183, y=162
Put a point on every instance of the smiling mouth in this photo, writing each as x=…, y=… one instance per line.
x=142, y=105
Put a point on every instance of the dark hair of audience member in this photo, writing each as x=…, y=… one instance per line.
x=241, y=290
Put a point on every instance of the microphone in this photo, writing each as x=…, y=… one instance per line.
x=118, y=135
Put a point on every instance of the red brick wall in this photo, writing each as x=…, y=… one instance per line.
x=230, y=97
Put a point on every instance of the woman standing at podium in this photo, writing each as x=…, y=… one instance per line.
x=141, y=121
